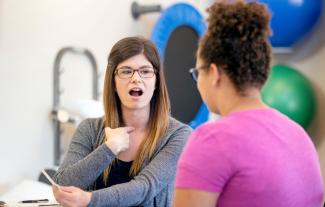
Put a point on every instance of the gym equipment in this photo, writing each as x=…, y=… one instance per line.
x=137, y=9
x=176, y=36
x=291, y=20
x=288, y=91
x=58, y=114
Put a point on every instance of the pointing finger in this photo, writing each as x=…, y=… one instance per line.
x=129, y=129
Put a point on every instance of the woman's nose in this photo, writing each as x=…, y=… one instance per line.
x=136, y=76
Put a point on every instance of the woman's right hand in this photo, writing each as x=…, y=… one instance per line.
x=70, y=196
x=118, y=138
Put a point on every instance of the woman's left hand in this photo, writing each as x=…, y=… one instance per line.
x=71, y=196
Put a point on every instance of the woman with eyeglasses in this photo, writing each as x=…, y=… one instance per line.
x=253, y=155
x=128, y=157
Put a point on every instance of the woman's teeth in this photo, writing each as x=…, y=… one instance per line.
x=136, y=92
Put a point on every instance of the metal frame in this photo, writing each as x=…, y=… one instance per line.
x=57, y=91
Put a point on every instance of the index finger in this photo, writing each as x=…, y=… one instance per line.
x=129, y=129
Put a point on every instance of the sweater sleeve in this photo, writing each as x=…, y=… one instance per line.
x=150, y=181
x=82, y=165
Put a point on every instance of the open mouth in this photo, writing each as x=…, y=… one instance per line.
x=136, y=92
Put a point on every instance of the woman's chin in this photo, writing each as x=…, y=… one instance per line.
x=136, y=106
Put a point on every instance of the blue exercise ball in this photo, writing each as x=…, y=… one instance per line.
x=292, y=19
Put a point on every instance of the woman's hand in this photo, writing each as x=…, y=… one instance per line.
x=118, y=139
x=71, y=196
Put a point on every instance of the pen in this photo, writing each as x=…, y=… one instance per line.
x=35, y=201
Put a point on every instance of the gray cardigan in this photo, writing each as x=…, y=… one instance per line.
x=86, y=160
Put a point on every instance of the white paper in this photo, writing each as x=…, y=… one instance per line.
x=28, y=190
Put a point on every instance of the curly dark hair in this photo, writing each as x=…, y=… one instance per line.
x=237, y=42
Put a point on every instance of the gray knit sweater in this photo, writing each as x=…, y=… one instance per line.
x=86, y=160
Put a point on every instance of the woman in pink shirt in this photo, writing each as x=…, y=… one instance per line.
x=253, y=155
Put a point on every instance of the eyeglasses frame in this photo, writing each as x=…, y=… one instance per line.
x=194, y=71
x=136, y=70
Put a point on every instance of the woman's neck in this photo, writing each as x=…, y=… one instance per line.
x=138, y=119
x=237, y=102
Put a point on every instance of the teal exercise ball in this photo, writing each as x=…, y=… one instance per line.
x=288, y=91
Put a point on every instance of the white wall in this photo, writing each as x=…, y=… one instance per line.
x=31, y=33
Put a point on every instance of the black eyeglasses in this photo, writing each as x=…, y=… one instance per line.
x=195, y=71
x=127, y=72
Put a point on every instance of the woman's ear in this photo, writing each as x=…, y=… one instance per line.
x=215, y=73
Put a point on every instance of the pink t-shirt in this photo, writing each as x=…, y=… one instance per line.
x=253, y=158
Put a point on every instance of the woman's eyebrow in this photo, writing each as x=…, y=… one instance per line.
x=146, y=66
x=143, y=66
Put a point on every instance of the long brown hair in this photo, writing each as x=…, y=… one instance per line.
x=159, y=105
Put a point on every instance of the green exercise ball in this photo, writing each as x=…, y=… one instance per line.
x=288, y=91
